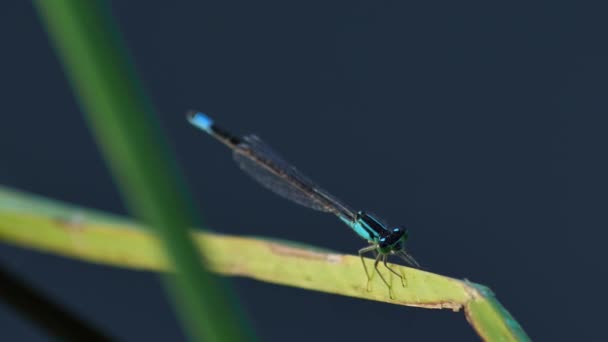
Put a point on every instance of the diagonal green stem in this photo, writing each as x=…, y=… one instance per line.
x=127, y=132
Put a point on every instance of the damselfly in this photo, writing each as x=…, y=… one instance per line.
x=267, y=167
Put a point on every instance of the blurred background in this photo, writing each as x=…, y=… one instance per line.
x=477, y=125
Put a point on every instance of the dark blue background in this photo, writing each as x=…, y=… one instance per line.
x=478, y=125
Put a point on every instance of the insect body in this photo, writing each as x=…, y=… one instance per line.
x=267, y=167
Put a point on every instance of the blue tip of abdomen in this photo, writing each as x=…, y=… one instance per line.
x=201, y=121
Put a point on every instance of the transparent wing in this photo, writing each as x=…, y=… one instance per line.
x=277, y=184
x=268, y=168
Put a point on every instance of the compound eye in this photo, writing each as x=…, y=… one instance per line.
x=382, y=242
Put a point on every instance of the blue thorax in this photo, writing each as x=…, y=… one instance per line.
x=367, y=226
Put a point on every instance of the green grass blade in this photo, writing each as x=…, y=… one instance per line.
x=78, y=233
x=126, y=130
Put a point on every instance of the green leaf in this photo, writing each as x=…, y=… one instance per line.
x=89, y=236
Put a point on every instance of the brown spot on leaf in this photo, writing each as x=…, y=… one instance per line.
x=437, y=305
x=75, y=223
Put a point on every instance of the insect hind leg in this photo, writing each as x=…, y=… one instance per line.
x=401, y=276
x=383, y=258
